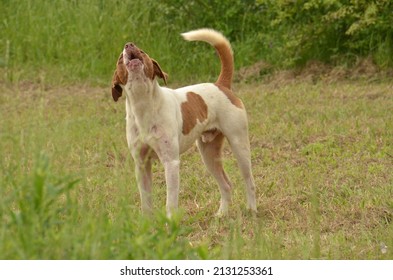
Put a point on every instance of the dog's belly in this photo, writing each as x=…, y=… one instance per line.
x=185, y=142
x=206, y=132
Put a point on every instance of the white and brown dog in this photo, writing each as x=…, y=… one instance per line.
x=163, y=122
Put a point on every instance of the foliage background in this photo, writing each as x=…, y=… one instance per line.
x=74, y=40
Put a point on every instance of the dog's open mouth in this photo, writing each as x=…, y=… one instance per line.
x=132, y=56
x=132, y=60
x=132, y=52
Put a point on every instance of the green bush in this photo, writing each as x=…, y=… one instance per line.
x=331, y=30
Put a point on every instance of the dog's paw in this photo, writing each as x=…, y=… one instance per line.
x=221, y=213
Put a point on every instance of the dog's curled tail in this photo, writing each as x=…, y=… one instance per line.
x=223, y=47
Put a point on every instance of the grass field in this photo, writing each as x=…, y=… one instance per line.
x=322, y=155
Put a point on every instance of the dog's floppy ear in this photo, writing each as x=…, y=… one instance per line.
x=119, y=78
x=116, y=92
x=159, y=72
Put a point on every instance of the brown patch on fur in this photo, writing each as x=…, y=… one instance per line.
x=192, y=110
x=226, y=74
x=119, y=78
x=158, y=72
x=152, y=68
x=231, y=96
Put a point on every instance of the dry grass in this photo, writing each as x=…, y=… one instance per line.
x=322, y=159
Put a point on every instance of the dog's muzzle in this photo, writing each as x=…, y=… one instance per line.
x=131, y=51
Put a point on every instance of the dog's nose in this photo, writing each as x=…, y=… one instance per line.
x=129, y=45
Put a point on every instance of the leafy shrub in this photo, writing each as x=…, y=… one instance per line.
x=289, y=32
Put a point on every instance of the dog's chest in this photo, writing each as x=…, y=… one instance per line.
x=144, y=129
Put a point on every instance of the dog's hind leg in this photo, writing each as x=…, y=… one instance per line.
x=144, y=177
x=241, y=149
x=144, y=180
x=212, y=157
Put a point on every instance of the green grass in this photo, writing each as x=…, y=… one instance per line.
x=322, y=159
x=322, y=152
x=79, y=41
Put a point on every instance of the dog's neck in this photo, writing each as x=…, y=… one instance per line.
x=143, y=98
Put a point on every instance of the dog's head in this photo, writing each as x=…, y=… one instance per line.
x=132, y=62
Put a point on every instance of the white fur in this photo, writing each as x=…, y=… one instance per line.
x=210, y=36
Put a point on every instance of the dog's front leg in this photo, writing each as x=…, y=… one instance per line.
x=167, y=149
x=172, y=184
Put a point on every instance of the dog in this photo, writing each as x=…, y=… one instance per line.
x=163, y=123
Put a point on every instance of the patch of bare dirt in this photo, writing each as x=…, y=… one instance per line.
x=252, y=72
x=313, y=72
